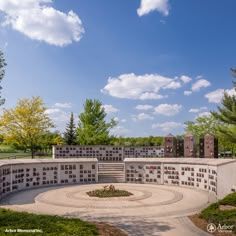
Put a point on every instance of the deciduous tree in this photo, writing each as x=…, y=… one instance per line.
x=49, y=139
x=202, y=125
x=26, y=123
x=209, y=124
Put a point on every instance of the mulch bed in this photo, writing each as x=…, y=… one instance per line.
x=202, y=224
x=105, y=229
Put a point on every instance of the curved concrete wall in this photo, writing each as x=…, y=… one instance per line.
x=17, y=175
x=214, y=175
x=217, y=176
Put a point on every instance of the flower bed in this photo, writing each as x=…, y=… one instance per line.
x=109, y=191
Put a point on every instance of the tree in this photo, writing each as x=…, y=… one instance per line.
x=227, y=114
x=25, y=124
x=2, y=73
x=48, y=139
x=92, y=126
x=70, y=133
x=202, y=125
x=209, y=124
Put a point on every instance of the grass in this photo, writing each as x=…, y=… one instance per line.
x=12, y=155
x=213, y=214
x=7, y=152
x=229, y=200
x=48, y=225
x=101, y=193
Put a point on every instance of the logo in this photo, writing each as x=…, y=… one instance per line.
x=211, y=228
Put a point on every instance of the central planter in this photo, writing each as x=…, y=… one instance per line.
x=109, y=191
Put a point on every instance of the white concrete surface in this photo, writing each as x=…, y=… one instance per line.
x=151, y=210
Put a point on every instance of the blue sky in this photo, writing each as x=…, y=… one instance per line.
x=153, y=63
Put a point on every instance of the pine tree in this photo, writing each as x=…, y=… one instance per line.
x=227, y=114
x=92, y=127
x=70, y=133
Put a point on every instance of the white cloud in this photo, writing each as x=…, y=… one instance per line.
x=63, y=105
x=167, y=109
x=217, y=95
x=58, y=115
x=144, y=107
x=60, y=118
x=172, y=85
x=39, y=21
x=146, y=6
x=140, y=87
x=193, y=110
x=185, y=79
x=187, y=92
x=167, y=126
x=196, y=110
x=121, y=120
x=142, y=116
x=52, y=111
x=203, y=114
x=202, y=83
x=119, y=130
x=110, y=109
x=199, y=77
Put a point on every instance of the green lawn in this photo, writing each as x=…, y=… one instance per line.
x=7, y=152
x=13, y=155
x=213, y=214
x=46, y=225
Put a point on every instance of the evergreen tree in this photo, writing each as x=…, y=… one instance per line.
x=2, y=73
x=227, y=114
x=70, y=133
x=92, y=127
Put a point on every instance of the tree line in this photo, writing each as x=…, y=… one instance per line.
x=28, y=126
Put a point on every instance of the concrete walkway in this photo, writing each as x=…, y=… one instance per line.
x=151, y=210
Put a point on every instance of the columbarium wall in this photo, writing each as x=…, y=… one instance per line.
x=212, y=175
x=106, y=152
x=26, y=174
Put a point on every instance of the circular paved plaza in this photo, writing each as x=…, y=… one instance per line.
x=151, y=210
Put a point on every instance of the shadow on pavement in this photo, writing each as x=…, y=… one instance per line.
x=137, y=226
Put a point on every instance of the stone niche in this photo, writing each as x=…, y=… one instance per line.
x=190, y=149
x=170, y=146
x=210, y=146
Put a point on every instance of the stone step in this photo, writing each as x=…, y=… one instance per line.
x=110, y=164
x=110, y=180
x=110, y=174
x=110, y=171
x=111, y=167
